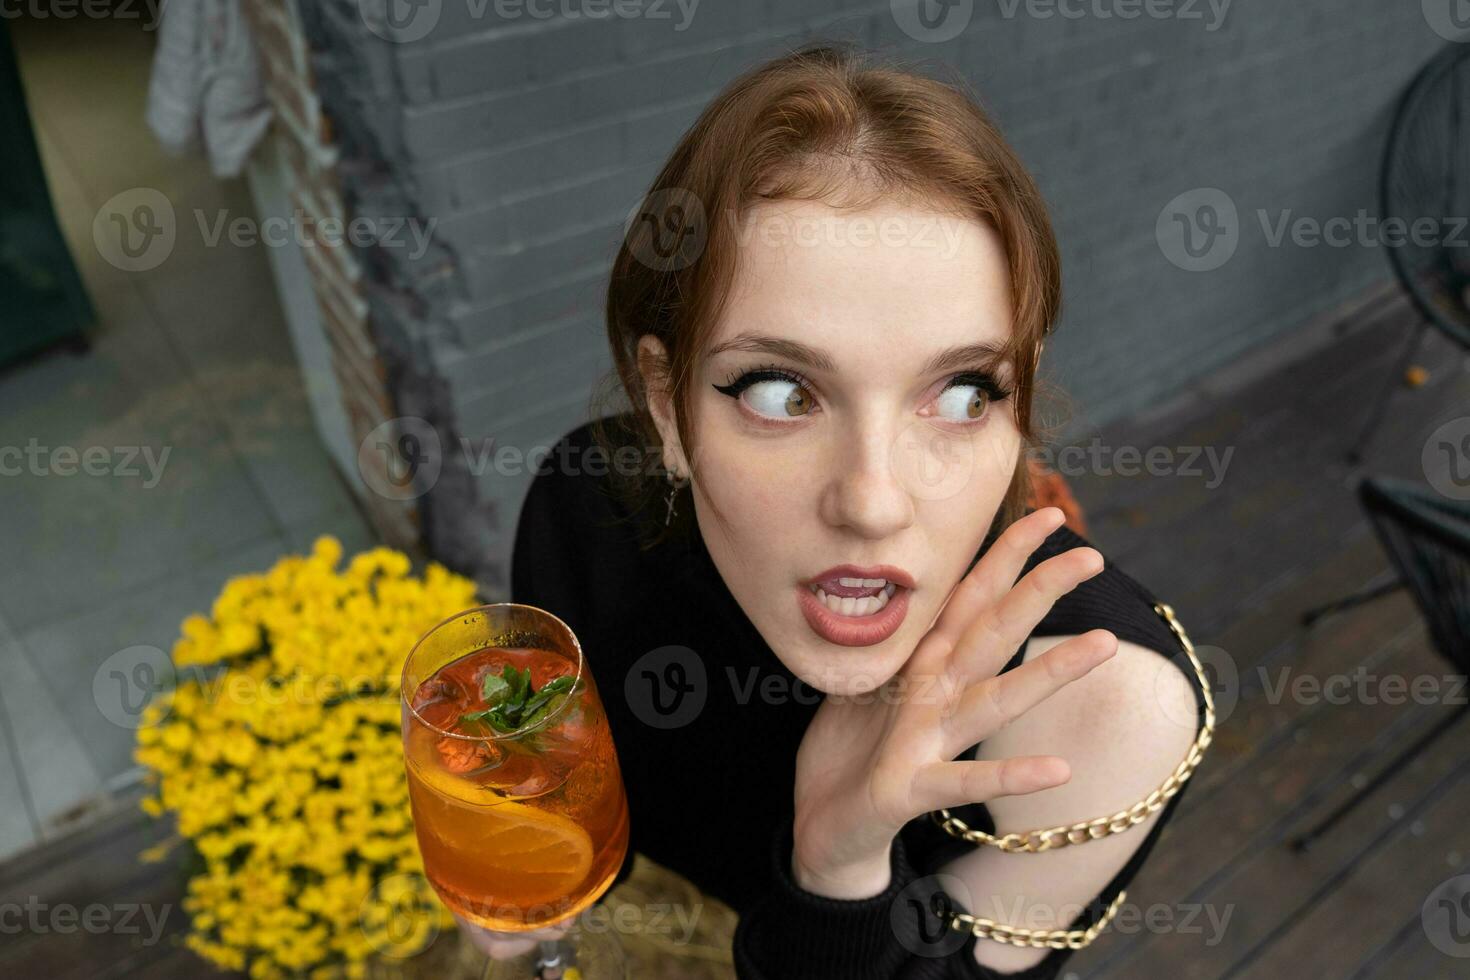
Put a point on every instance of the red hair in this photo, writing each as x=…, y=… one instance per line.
x=826, y=124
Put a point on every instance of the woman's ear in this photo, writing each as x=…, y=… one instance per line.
x=653, y=365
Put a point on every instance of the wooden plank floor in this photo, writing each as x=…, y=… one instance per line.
x=1239, y=562
x=1282, y=533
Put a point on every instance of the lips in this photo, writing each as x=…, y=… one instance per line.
x=856, y=605
x=830, y=579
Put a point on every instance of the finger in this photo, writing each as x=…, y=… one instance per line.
x=999, y=631
x=952, y=784
x=496, y=945
x=506, y=945
x=993, y=703
x=995, y=572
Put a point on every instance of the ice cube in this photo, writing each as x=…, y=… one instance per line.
x=459, y=755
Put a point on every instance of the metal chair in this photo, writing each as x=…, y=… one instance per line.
x=1427, y=538
x=1425, y=177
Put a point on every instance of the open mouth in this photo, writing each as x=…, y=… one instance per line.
x=852, y=606
x=855, y=596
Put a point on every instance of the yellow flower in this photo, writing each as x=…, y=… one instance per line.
x=279, y=753
x=239, y=637
x=177, y=737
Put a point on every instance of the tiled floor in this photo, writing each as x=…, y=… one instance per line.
x=192, y=357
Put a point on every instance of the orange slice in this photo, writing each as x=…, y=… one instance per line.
x=531, y=855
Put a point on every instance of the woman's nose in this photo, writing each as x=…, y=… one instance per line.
x=864, y=491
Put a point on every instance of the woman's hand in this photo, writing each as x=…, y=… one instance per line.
x=507, y=945
x=869, y=764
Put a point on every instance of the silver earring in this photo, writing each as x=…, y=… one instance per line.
x=674, y=484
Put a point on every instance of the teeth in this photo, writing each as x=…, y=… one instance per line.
x=863, y=583
x=852, y=606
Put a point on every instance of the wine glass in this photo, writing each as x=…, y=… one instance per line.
x=517, y=798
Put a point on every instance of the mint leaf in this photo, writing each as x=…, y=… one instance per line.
x=511, y=702
x=539, y=714
x=505, y=717
x=520, y=684
x=494, y=688
x=550, y=689
x=479, y=720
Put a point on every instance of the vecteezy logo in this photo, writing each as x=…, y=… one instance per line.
x=1198, y=230
x=400, y=916
x=135, y=230
x=401, y=459
x=1224, y=686
x=400, y=21
x=666, y=687
x=668, y=230
x=1450, y=19
x=1446, y=459
x=920, y=915
x=932, y=21
x=932, y=465
x=127, y=681
x=1445, y=916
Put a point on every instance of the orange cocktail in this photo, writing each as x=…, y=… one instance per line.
x=517, y=797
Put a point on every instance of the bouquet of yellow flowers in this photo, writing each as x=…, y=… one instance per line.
x=279, y=749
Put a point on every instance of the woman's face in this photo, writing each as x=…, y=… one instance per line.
x=850, y=412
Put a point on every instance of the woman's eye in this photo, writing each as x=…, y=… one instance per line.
x=778, y=398
x=777, y=394
x=770, y=393
x=963, y=402
x=967, y=397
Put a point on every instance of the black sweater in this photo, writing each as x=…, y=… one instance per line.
x=707, y=722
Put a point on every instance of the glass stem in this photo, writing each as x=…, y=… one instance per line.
x=555, y=958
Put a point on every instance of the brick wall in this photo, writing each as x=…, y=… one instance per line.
x=528, y=139
x=303, y=140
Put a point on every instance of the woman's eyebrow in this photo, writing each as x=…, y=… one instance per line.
x=790, y=349
x=951, y=358
x=963, y=356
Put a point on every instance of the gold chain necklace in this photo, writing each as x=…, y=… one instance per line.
x=1051, y=838
x=1036, y=841
x=1035, y=938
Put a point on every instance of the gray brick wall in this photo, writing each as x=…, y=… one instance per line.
x=528, y=139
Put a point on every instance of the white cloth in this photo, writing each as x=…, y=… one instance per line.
x=206, y=82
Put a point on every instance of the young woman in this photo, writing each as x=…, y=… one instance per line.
x=852, y=682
